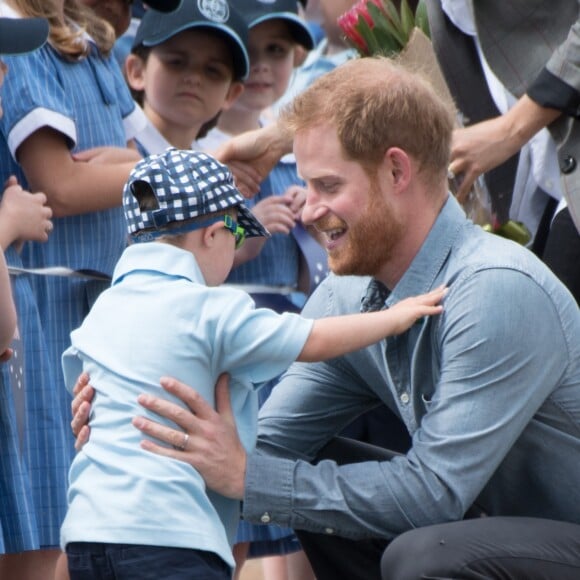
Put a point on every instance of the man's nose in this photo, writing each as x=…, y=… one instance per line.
x=313, y=210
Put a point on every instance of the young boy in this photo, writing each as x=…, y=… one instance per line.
x=185, y=67
x=166, y=314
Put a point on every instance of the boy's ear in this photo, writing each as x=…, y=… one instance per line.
x=210, y=232
x=235, y=90
x=135, y=72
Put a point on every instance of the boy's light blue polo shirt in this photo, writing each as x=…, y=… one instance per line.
x=159, y=318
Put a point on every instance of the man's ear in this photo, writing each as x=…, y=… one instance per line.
x=135, y=72
x=398, y=164
x=235, y=90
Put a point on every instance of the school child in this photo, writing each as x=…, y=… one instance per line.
x=184, y=68
x=69, y=96
x=166, y=312
x=31, y=475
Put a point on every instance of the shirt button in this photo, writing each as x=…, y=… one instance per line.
x=329, y=530
x=404, y=398
x=265, y=519
x=568, y=164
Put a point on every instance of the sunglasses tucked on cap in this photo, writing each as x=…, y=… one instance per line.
x=258, y=11
x=165, y=192
x=217, y=15
x=22, y=35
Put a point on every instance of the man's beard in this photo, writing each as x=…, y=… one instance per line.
x=371, y=240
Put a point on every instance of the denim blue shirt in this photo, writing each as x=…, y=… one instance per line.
x=489, y=390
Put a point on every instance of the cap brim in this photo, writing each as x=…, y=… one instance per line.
x=251, y=224
x=22, y=35
x=299, y=30
x=239, y=52
x=163, y=5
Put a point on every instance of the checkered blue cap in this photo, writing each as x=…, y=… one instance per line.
x=177, y=186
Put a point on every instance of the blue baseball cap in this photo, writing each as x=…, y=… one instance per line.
x=22, y=35
x=178, y=186
x=217, y=15
x=258, y=11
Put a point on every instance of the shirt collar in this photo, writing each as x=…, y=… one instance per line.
x=424, y=272
x=161, y=258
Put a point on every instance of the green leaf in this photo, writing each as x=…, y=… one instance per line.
x=365, y=31
x=407, y=18
x=422, y=19
x=393, y=14
x=384, y=23
x=389, y=45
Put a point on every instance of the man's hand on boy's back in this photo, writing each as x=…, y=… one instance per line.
x=208, y=439
x=80, y=409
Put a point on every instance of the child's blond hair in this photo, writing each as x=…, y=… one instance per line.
x=66, y=35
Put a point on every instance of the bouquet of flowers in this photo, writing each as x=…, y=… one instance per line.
x=378, y=27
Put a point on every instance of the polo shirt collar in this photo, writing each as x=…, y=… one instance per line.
x=158, y=257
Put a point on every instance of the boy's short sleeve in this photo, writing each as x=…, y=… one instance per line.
x=257, y=343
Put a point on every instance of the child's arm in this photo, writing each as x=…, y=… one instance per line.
x=7, y=308
x=337, y=335
x=72, y=187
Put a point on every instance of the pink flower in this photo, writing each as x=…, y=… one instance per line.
x=348, y=22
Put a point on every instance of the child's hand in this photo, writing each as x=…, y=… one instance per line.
x=276, y=213
x=23, y=215
x=297, y=194
x=410, y=310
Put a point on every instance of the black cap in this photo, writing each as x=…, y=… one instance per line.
x=258, y=11
x=217, y=15
x=21, y=35
x=163, y=5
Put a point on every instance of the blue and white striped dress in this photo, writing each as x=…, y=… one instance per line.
x=86, y=101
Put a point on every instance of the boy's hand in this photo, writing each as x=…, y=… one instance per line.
x=412, y=309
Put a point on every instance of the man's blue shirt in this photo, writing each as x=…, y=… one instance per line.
x=489, y=390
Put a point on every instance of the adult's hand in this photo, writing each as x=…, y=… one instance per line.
x=80, y=409
x=260, y=149
x=208, y=439
x=483, y=146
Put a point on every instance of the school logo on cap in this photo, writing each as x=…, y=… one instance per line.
x=215, y=10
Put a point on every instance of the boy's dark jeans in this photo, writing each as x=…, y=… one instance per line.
x=95, y=561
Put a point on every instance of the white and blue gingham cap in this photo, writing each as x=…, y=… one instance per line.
x=180, y=186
